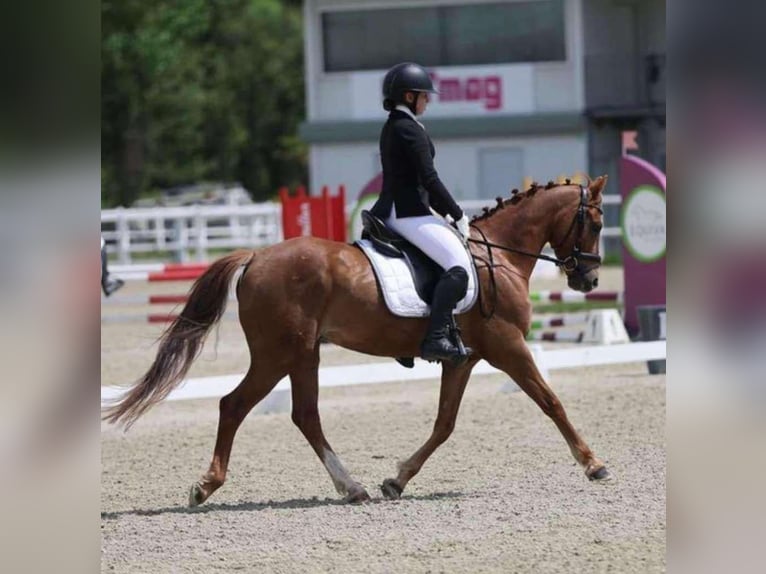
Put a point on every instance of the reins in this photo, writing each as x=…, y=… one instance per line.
x=483, y=241
x=569, y=264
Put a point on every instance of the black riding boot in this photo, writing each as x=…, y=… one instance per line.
x=442, y=340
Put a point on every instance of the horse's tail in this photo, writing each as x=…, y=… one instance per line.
x=181, y=342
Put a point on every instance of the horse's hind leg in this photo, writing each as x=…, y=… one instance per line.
x=454, y=380
x=304, y=378
x=234, y=407
x=517, y=361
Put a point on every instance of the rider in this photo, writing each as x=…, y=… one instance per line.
x=410, y=187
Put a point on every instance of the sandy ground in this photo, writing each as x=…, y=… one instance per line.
x=503, y=494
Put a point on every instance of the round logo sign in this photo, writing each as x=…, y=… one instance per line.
x=643, y=223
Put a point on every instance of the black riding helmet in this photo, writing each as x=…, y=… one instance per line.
x=403, y=78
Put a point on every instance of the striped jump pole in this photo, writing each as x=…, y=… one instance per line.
x=161, y=318
x=601, y=326
x=537, y=332
x=157, y=267
x=566, y=320
x=170, y=299
x=575, y=296
x=559, y=336
x=177, y=275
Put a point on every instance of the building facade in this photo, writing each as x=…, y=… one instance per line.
x=529, y=89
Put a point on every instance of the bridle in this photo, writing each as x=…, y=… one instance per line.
x=572, y=262
x=569, y=264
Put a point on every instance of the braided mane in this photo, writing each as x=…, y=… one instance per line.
x=516, y=197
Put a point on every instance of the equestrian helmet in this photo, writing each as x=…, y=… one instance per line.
x=406, y=77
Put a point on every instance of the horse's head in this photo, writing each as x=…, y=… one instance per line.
x=576, y=231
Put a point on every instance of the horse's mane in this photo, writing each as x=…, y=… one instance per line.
x=516, y=197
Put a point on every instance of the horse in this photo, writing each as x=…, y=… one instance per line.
x=294, y=294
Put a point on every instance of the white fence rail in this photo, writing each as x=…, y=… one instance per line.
x=189, y=232
x=196, y=228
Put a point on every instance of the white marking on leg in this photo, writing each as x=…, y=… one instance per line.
x=340, y=477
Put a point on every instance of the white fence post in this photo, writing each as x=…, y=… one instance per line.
x=159, y=232
x=200, y=229
x=182, y=239
x=123, y=242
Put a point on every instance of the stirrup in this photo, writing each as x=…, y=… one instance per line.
x=454, y=332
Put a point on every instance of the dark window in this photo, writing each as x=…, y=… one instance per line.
x=445, y=36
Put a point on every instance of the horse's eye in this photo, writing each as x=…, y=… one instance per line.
x=596, y=227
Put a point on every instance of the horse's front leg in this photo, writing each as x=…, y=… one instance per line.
x=454, y=380
x=508, y=352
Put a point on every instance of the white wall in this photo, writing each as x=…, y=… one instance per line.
x=457, y=161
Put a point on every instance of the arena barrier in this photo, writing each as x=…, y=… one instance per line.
x=374, y=373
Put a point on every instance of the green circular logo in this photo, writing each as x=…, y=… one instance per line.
x=643, y=223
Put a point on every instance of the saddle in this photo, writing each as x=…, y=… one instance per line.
x=406, y=276
x=425, y=271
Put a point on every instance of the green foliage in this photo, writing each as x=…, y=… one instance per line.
x=200, y=90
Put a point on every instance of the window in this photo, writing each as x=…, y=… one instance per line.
x=445, y=36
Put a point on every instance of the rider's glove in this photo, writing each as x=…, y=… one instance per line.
x=463, y=228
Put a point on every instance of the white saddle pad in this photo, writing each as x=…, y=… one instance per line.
x=395, y=280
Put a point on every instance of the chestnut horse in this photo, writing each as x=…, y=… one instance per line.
x=294, y=293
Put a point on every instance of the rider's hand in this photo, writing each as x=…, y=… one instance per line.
x=463, y=228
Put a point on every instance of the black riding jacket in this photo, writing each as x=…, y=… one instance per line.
x=410, y=180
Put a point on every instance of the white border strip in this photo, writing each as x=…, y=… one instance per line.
x=209, y=387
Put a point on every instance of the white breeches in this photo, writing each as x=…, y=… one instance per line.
x=433, y=237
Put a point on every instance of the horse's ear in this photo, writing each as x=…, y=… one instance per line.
x=597, y=185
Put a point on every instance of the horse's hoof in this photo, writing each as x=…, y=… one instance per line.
x=601, y=474
x=391, y=489
x=196, y=495
x=357, y=496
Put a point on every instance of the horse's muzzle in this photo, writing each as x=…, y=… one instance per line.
x=584, y=282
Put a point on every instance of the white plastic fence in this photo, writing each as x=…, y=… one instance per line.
x=195, y=228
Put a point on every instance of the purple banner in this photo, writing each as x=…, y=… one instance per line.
x=642, y=219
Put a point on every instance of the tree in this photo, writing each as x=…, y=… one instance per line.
x=201, y=90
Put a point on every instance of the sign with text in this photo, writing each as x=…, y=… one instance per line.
x=474, y=90
x=643, y=222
